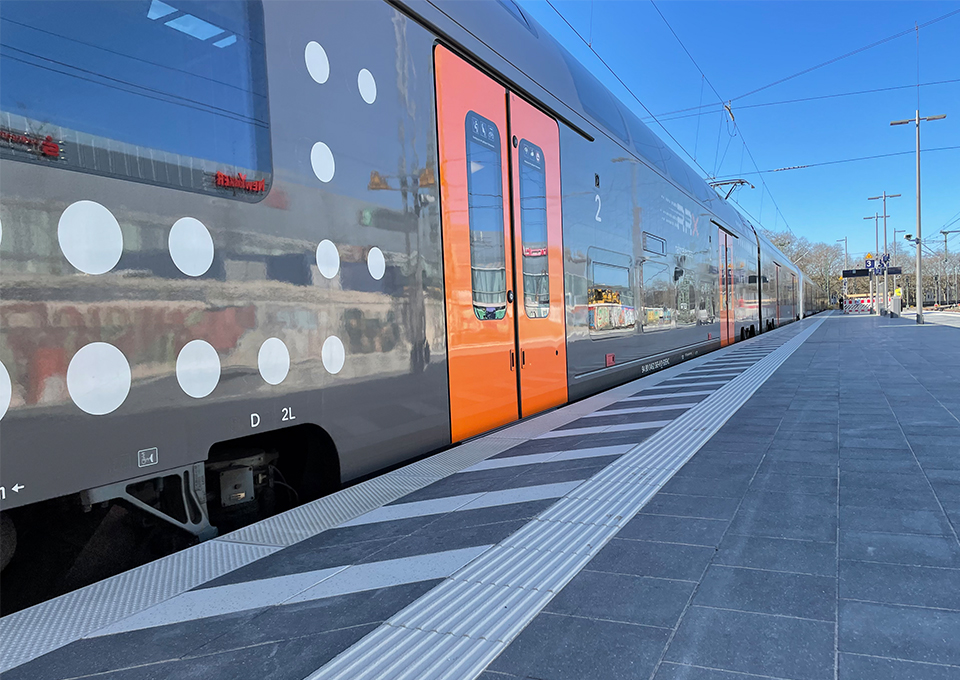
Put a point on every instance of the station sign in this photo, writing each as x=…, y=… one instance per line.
x=855, y=273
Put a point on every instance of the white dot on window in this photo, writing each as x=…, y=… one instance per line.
x=90, y=237
x=375, y=263
x=273, y=360
x=328, y=258
x=317, y=63
x=191, y=246
x=98, y=378
x=367, y=86
x=332, y=354
x=198, y=368
x=321, y=159
x=6, y=391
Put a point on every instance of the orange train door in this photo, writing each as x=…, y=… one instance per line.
x=538, y=254
x=493, y=377
x=727, y=317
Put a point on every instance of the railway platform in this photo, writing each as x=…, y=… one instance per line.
x=786, y=507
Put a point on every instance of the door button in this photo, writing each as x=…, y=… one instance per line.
x=509, y=296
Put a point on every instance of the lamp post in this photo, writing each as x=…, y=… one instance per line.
x=845, y=265
x=896, y=260
x=873, y=275
x=917, y=120
x=884, y=196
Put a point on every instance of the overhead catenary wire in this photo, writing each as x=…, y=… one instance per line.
x=778, y=214
x=849, y=54
x=709, y=109
x=843, y=160
x=625, y=86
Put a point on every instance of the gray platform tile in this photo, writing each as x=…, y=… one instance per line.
x=275, y=661
x=876, y=453
x=304, y=557
x=798, y=454
x=915, y=481
x=904, y=465
x=499, y=480
x=704, y=465
x=622, y=419
x=909, y=633
x=909, y=549
x=555, y=647
x=390, y=572
x=946, y=483
x=623, y=598
x=859, y=667
x=786, y=435
x=801, y=484
x=722, y=487
x=647, y=395
x=940, y=461
x=522, y=494
x=768, y=592
x=778, y=554
x=466, y=518
x=389, y=514
x=126, y=650
x=755, y=643
x=786, y=515
x=553, y=456
x=704, y=507
x=630, y=408
x=792, y=467
x=599, y=429
x=226, y=599
x=675, y=671
x=936, y=587
x=289, y=621
x=894, y=498
x=544, y=445
x=851, y=441
x=665, y=529
x=645, y=558
x=425, y=542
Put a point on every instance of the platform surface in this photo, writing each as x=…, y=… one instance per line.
x=783, y=508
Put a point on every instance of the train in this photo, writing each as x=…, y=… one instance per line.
x=251, y=252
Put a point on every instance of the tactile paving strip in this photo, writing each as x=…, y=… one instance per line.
x=460, y=626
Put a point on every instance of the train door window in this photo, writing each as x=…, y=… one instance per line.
x=485, y=200
x=533, y=231
x=654, y=244
x=171, y=93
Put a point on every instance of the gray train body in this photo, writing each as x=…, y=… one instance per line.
x=362, y=320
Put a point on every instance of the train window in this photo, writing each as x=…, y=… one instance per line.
x=170, y=93
x=485, y=200
x=654, y=244
x=610, y=299
x=533, y=231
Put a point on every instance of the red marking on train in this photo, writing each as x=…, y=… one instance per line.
x=45, y=145
x=240, y=181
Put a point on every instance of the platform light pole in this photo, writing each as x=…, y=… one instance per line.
x=845, y=265
x=917, y=120
x=873, y=275
x=896, y=259
x=884, y=196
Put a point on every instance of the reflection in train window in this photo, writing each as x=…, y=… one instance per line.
x=485, y=200
x=533, y=231
x=169, y=94
x=610, y=300
x=657, y=292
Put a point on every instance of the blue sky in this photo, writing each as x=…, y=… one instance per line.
x=742, y=46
